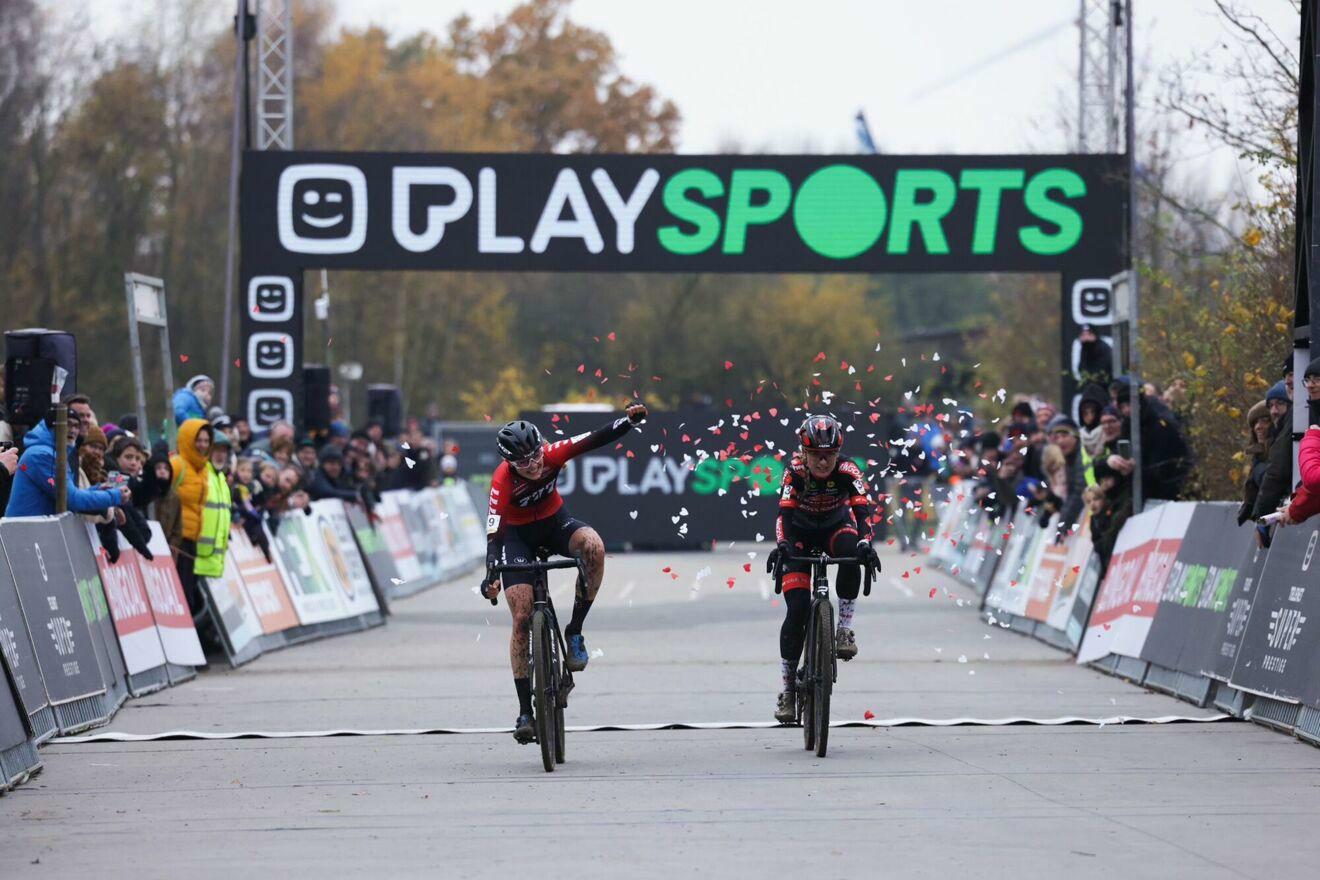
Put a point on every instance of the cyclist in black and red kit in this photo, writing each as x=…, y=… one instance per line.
x=823, y=505
x=527, y=514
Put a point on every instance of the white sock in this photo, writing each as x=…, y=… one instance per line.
x=846, y=612
x=788, y=672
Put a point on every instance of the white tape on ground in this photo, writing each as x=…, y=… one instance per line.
x=671, y=725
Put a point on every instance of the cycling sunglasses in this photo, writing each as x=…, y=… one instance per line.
x=527, y=461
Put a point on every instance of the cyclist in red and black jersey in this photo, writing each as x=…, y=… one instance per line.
x=527, y=514
x=823, y=505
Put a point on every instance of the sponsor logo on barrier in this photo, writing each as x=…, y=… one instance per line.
x=1310, y=550
x=164, y=598
x=41, y=561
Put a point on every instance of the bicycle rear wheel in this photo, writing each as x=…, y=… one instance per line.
x=823, y=685
x=541, y=688
x=806, y=704
x=557, y=670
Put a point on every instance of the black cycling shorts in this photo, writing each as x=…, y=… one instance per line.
x=521, y=543
x=833, y=540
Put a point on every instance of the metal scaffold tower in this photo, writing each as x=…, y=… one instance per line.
x=275, y=74
x=1100, y=76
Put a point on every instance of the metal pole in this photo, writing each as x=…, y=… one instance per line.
x=1081, y=76
x=1134, y=356
x=61, y=458
x=135, y=343
x=325, y=322
x=227, y=320
x=1111, y=75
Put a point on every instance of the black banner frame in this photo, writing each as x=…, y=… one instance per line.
x=279, y=242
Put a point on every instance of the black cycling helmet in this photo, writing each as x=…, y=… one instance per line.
x=820, y=432
x=517, y=440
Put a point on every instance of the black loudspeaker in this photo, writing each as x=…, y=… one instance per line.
x=316, y=397
x=385, y=405
x=30, y=360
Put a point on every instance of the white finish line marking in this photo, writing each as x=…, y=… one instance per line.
x=673, y=725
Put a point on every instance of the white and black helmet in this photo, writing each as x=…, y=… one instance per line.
x=518, y=439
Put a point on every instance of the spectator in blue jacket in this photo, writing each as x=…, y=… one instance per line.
x=34, y=483
x=191, y=401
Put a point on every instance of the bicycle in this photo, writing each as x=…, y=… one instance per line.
x=551, y=681
x=820, y=669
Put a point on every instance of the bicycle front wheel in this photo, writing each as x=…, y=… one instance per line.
x=806, y=702
x=823, y=627
x=557, y=670
x=541, y=688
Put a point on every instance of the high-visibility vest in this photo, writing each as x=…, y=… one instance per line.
x=216, y=517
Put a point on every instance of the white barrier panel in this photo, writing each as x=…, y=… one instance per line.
x=165, y=593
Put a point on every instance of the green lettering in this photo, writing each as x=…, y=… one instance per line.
x=1037, y=199
x=908, y=212
x=989, y=184
x=734, y=469
x=1223, y=586
x=706, y=477
x=1193, y=583
x=742, y=213
x=839, y=211
x=676, y=202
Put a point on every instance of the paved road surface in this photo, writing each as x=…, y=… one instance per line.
x=1212, y=799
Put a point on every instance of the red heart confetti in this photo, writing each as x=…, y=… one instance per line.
x=747, y=566
x=932, y=591
x=868, y=715
x=183, y=359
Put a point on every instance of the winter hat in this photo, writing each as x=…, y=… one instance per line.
x=339, y=429
x=1257, y=412
x=1062, y=423
x=1110, y=410
x=1287, y=366
x=94, y=436
x=330, y=451
x=198, y=380
x=220, y=438
x=1313, y=368
x=989, y=440
x=1278, y=391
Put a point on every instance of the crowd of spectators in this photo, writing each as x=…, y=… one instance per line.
x=217, y=472
x=1056, y=467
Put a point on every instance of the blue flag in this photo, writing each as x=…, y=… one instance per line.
x=864, y=138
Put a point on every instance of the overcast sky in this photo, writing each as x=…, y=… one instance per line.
x=788, y=75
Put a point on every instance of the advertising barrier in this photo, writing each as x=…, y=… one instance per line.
x=265, y=588
x=21, y=659
x=18, y=753
x=95, y=609
x=333, y=538
x=1281, y=644
x=375, y=555
x=234, y=617
x=393, y=531
x=315, y=597
x=1183, y=636
x=130, y=611
x=174, y=622
x=48, y=596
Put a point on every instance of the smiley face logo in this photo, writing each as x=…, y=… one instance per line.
x=268, y=406
x=270, y=298
x=322, y=209
x=270, y=355
x=1093, y=301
